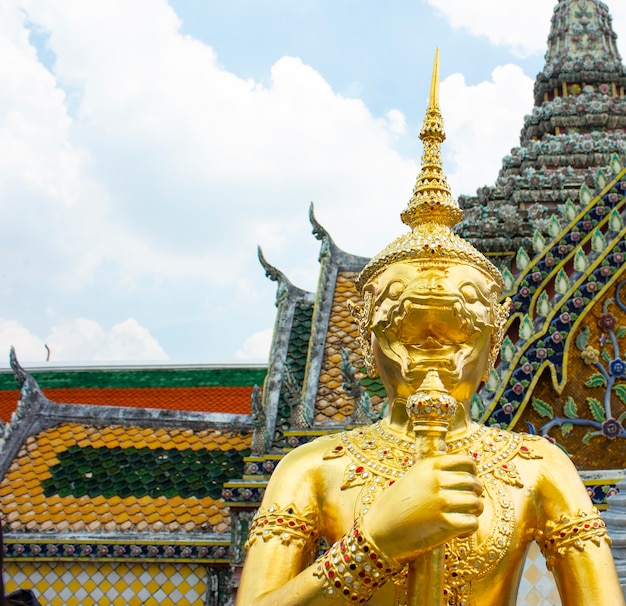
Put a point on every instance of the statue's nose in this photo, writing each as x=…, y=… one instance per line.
x=427, y=284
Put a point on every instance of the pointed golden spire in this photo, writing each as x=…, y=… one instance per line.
x=432, y=201
x=431, y=213
x=433, y=99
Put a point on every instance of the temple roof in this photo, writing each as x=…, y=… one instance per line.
x=223, y=389
x=76, y=477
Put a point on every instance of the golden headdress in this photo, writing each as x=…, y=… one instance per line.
x=432, y=212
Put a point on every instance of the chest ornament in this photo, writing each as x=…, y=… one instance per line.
x=377, y=458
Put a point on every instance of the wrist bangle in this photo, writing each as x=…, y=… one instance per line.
x=354, y=568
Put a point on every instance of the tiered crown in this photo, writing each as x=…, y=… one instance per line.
x=432, y=212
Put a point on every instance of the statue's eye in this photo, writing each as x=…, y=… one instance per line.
x=395, y=290
x=469, y=292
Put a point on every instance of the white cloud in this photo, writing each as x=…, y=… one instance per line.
x=256, y=347
x=27, y=346
x=169, y=130
x=80, y=340
x=397, y=121
x=482, y=123
x=522, y=26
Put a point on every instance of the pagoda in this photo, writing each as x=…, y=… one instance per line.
x=576, y=126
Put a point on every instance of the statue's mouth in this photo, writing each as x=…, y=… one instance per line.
x=424, y=332
x=417, y=321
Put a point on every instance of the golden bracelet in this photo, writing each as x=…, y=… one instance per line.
x=354, y=568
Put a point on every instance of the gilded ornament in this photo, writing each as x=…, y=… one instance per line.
x=571, y=532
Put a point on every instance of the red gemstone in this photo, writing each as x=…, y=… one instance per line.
x=359, y=469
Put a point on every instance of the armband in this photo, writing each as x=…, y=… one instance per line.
x=571, y=532
x=286, y=524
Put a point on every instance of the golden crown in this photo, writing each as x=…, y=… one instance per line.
x=432, y=212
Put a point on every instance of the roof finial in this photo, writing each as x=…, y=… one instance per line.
x=432, y=201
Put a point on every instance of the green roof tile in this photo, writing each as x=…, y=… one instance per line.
x=137, y=472
x=146, y=377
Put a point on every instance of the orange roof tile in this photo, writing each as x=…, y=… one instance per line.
x=30, y=499
x=235, y=400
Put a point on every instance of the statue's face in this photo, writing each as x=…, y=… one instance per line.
x=437, y=318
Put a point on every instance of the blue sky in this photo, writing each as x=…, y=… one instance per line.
x=149, y=146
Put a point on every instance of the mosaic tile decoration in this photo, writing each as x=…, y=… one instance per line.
x=295, y=366
x=205, y=551
x=73, y=478
x=110, y=583
x=537, y=587
x=332, y=404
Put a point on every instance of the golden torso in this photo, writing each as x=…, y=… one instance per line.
x=481, y=569
x=531, y=492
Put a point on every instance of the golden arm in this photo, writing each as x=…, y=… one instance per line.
x=283, y=540
x=573, y=537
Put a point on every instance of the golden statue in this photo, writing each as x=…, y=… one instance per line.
x=426, y=506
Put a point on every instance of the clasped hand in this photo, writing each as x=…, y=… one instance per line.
x=436, y=500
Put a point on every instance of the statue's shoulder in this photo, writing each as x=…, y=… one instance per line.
x=546, y=460
x=303, y=472
x=538, y=446
x=311, y=455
